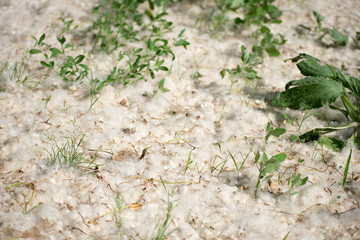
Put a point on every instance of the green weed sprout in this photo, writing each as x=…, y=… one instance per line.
x=68, y=154
x=119, y=202
x=245, y=70
x=161, y=229
x=336, y=37
x=321, y=87
x=296, y=181
x=69, y=68
x=267, y=167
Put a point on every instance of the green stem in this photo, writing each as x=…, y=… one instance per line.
x=351, y=109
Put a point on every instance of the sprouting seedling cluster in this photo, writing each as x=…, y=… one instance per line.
x=69, y=68
x=245, y=70
x=118, y=24
x=335, y=39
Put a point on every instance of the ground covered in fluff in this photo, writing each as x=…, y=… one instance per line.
x=157, y=160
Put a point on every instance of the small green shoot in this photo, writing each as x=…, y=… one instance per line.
x=267, y=167
x=69, y=68
x=119, y=202
x=335, y=39
x=356, y=39
x=270, y=131
x=188, y=161
x=296, y=181
x=268, y=42
x=216, y=165
x=68, y=154
x=162, y=232
x=346, y=170
x=245, y=70
x=239, y=168
x=161, y=86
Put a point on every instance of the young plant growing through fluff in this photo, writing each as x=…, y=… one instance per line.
x=69, y=68
x=244, y=70
x=321, y=87
x=336, y=38
x=268, y=166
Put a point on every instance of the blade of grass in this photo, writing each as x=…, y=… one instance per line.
x=346, y=170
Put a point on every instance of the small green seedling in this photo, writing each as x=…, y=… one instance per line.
x=69, y=68
x=239, y=168
x=296, y=181
x=216, y=165
x=270, y=131
x=188, y=161
x=346, y=170
x=161, y=229
x=335, y=37
x=321, y=87
x=119, y=202
x=267, y=167
x=68, y=154
x=268, y=42
x=245, y=70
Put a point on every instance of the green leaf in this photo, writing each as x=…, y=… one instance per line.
x=181, y=42
x=272, y=51
x=238, y=21
x=338, y=38
x=310, y=66
x=79, y=59
x=346, y=170
x=35, y=51
x=319, y=19
x=42, y=37
x=54, y=52
x=270, y=131
x=331, y=143
x=161, y=85
x=273, y=164
x=163, y=68
x=309, y=93
x=181, y=33
x=222, y=73
x=61, y=40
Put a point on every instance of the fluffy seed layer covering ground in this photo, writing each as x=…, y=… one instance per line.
x=165, y=160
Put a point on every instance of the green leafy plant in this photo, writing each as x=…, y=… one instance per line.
x=267, y=167
x=336, y=38
x=296, y=181
x=321, y=87
x=268, y=42
x=245, y=70
x=270, y=131
x=69, y=68
x=258, y=12
x=143, y=62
